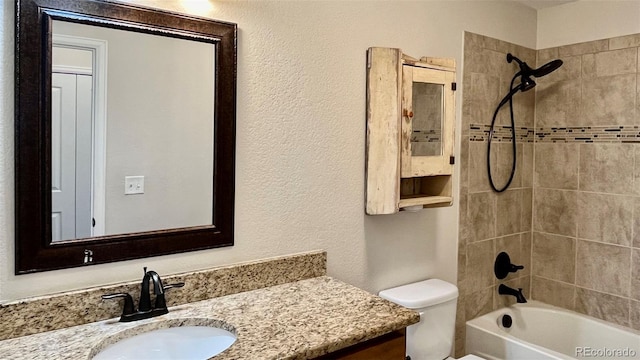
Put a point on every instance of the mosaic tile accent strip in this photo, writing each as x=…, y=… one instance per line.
x=569, y=134
x=500, y=133
x=589, y=134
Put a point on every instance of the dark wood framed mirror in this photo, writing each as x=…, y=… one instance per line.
x=39, y=243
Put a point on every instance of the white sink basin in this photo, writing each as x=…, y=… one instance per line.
x=182, y=342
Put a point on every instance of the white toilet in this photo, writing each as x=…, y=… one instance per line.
x=435, y=300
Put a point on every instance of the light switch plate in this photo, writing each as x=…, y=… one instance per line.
x=133, y=185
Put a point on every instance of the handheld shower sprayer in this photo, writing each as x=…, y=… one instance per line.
x=526, y=83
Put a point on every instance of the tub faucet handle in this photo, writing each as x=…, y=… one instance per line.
x=503, y=266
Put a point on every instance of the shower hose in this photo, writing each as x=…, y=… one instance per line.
x=508, y=98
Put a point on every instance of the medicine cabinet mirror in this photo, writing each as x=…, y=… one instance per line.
x=410, y=117
x=124, y=132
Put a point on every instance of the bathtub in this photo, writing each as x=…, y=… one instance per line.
x=540, y=331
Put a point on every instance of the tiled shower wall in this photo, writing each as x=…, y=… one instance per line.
x=492, y=222
x=586, y=239
x=570, y=215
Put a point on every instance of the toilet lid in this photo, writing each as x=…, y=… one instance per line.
x=421, y=294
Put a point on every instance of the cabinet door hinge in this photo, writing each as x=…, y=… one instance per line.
x=453, y=86
x=452, y=160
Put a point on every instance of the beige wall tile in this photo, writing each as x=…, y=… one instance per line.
x=502, y=171
x=553, y=257
x=525, y=164
x=478, y=42
x=527, y=209
x=616, y=62
x=635, y=274
x=571, y=69
x=583, y=48
x=634, y=316
x=519, y=249
x=465, y=228
x=636, y=167
x=523, y=53
x=546, y=55
x=636, y=222
x=482, y=96
x=626, y=41
x=482, y=215
x=478, y=303
x=557, y=165
x=478, y=180
x=603, y=306
x=555, y=211
x=480, y=259
x=524, y=105
x=462, y=269
x=464, y=165
x=588, y=66
x=603, y=267
x=460, y=331
x=486, y=61
x=609, y=100
x=509, y=212
x=607, y=168
x=606, y=218
x=553, y=292
x=526, y=239
x=558, y=103
x=507, y=71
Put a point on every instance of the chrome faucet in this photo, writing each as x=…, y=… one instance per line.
x=145, y=310
x=505, y=290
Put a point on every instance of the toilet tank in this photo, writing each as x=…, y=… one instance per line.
x=435, y=300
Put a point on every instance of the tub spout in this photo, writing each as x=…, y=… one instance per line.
x=505, y=290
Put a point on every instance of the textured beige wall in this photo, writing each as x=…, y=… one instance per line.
x=581, y=21
x=300, y=145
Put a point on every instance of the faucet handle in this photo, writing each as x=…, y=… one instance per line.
x=160, y=300
x=128, y=302
x=503, y=266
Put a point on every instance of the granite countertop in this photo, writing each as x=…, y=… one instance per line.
x=298, y=320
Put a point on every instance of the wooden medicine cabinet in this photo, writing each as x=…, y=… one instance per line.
x=410, y=118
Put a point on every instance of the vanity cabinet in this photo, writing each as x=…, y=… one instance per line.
x=410, y=131
x=391, y=346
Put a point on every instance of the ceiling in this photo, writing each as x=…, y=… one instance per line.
x=540, y=4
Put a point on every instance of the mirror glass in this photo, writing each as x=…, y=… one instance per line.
x=125, y=133
x=428, y=111
x=132, y=131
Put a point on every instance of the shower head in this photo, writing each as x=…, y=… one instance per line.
x=527, y=71
x=526, y=83
x=547, y=68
